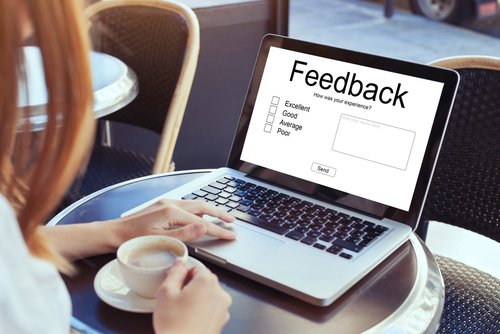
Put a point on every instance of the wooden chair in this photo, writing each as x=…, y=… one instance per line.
x=465, y=192
x=159, y=41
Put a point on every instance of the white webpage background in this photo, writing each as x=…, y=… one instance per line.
x=294, y=154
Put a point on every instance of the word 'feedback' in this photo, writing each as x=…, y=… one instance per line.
x=348, y=84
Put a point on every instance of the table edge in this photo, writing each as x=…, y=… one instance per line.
x=407, y=318
x=87, y=198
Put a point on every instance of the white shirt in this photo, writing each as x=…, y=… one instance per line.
x=33, y=297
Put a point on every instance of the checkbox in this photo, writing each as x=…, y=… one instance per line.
x=270, y=119
x=268, y=128
x=273, y=110
x=275, y=100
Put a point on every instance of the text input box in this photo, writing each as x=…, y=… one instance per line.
x=376, y=142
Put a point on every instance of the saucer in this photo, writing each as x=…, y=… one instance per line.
x=111, y=289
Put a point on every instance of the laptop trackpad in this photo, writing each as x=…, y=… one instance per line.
x=248, y=247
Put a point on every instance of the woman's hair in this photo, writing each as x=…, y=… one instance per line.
x=36, y=167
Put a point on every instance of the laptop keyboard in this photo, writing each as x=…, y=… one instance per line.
x=311, y=224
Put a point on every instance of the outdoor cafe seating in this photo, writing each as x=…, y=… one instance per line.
x=160, y=42
x=464, y=191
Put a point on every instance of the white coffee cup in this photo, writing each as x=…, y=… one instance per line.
x=144, y=262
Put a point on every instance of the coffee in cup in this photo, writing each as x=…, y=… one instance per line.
x=144, y=262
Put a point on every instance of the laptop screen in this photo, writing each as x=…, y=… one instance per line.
x=356, y=124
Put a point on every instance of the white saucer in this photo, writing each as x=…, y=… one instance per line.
x=109, y=286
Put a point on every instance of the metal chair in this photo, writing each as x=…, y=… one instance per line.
x=159, y=40
x=465, y=192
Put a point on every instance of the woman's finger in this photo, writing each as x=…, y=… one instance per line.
x=219, y=232
x=166, y=216
x=174, y=281
x=188, y=232
x=183, y=217
x=200, y=208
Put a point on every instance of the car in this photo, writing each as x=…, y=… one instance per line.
x=455, y=11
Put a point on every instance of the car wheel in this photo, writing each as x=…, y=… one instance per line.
x=452, y=11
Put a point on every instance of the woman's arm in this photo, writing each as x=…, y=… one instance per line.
x=190, y=301
x=178, y=219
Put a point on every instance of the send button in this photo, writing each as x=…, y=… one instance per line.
x=322, y=169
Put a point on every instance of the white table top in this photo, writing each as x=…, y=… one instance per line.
x=115, y=85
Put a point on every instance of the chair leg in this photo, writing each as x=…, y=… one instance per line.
x=422, y=229
x=388, y=8
x=105, y=133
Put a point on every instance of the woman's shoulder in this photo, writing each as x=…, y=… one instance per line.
x=10, y=233
x=8, y=220
x=13, y=250
x=6, y=210
x=14, y=254
x=29, y=287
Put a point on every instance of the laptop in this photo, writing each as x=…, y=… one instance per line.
x=329, y=167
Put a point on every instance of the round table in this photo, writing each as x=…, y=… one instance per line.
x=404, y=294
x=114, y=84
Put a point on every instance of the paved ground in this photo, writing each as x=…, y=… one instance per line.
x=361, y=26
x=489, y=26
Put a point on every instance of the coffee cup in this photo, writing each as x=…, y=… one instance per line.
x=144, y=262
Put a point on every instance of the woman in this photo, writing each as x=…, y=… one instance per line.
x=37, y=168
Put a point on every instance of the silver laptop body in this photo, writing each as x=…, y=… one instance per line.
x=369, y=158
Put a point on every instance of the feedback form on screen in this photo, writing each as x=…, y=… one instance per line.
x=353, y=128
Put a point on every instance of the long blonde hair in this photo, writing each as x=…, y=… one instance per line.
x=37, y=168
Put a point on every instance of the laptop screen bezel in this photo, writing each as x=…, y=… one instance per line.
x=448, y=77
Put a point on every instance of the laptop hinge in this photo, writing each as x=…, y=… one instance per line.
x=209, y=257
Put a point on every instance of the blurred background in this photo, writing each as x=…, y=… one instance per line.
x=418, y=30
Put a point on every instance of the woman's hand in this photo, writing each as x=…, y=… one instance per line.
x=181, y=219
x=190, y=301
x=178, y=219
